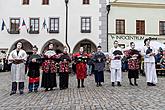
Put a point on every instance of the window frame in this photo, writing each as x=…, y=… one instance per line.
x=87, y=47
x=85, y=31
x=120, y=26
x=86, y=2
x=13, y=30
x=161, y=27
x=25, y=2
x=45, y=2
x=50, y=28
x=34, y=31
x=140, y=30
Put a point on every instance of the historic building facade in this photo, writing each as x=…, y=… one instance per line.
x=71, y=23
x=135, y=20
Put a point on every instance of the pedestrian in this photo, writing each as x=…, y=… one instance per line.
x=18, y=58
x=89, y=65
x=99, y=62
x=49, y=69
x=134, y=58
x=149, y=63
x=80, y=59
x=116, y=56
x=34, y=64
x=64, y=69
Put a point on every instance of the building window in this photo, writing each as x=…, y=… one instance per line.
x=85, y=24
x=34, y=26
x=54, y=25
x=14, y=25
x=162, y=27
x=45, y=2
x=87, y=47
x=140, y=27
x=25, y=2
x=120, y=26
x=85, y=1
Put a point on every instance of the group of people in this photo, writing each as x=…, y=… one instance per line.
x=51, y=63
x=134, y=61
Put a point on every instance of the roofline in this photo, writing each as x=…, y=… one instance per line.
x=138, y=5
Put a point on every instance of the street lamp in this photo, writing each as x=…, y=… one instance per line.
x=66, y=30
x=108, y=7
x=66, y=1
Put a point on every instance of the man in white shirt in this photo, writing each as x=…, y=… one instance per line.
x=116, y=56
x=149, y=63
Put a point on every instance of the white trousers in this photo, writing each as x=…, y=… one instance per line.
x=150, y=71
x=116, y=75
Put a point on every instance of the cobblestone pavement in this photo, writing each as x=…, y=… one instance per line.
x=91, y=97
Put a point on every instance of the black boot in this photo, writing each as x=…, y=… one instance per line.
x=13, y=92
x=113, y=84
x=100, y=84
x=152, y=84
x=21, y=88
x=130, y=82
x=14, y=87
x=135, y=82
x=46, y=89
x=149, y=84
x=82, y=83
x=97, y=84
x=118, y=83
x=21, y=92
x=78, y=81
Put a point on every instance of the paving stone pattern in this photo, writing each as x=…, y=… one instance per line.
x=91, y=97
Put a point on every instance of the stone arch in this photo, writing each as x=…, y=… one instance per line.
x=27, y=46
x=58, y=46
x=88, y=45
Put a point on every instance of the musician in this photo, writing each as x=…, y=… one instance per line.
x=49, y=69
x=64, y=69
x=34, y=64
x=80, y=59
x=116, y=56
x=149, y=63
x=99, y=62
x=133, y=57
x=18, y=58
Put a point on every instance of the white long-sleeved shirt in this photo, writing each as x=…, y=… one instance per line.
x=148, y=58
x=115, y=64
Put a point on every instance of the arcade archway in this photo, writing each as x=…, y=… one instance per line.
x=58, y=46
x=27, y=46
x=88, y=45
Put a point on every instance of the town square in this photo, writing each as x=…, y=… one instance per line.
x=82, y=55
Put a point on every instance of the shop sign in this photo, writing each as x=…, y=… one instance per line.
x=132, y=37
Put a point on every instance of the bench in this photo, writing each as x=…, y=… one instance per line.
x=160, y=71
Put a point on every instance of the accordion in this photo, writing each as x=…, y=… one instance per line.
x=81, y=59
x=117, y=52
x=149, y=50
x=18, y=61
x=37, y=57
